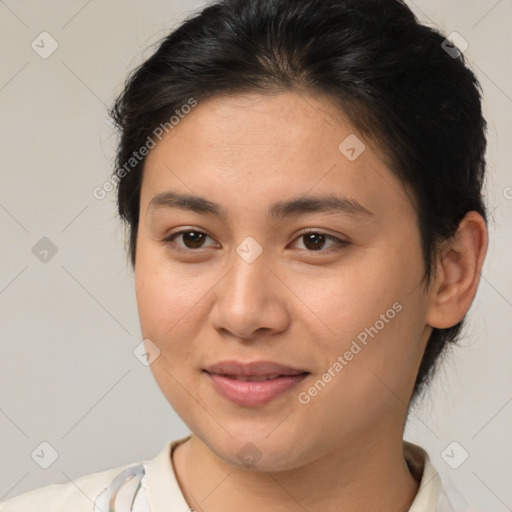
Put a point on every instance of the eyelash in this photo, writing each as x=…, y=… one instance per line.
x=341, y=243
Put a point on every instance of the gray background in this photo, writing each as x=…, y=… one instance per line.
x=69, y=324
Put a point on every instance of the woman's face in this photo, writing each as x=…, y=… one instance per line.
x=341, y=309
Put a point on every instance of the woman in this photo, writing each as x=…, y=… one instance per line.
x=302, y=183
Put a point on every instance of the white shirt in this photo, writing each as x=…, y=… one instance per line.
x=151, y=486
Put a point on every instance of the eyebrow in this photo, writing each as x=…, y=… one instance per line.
x=278, y=210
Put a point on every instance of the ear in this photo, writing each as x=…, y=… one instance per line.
x=459, y=265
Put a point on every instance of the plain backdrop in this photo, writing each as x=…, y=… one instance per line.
x=69, y=323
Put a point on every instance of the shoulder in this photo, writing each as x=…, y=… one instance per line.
x=435, y=494
x=77, y=496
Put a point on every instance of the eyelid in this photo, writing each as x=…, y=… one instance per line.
x=320, y=231
x=169, y=238
x=341, y=243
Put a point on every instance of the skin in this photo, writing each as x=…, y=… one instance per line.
x=292, y=305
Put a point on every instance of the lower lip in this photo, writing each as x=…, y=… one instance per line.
x=253, y=393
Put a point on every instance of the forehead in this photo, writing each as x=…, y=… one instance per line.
x=281, y=124
x=246, y=148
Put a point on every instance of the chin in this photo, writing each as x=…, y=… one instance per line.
x=258, y=451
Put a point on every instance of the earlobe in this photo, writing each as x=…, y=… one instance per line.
x=458, y=272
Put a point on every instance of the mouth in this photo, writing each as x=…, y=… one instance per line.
x=254, y=378
x=253, y=384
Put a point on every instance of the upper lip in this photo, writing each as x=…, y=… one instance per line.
x=252, y=369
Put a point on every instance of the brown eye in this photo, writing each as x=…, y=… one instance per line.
x=190, y=239
x=316, y=240
x=193, y=239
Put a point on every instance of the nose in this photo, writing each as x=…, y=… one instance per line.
x=251, y=300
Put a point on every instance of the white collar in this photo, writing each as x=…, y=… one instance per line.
x=161, y=483
x=430, y=487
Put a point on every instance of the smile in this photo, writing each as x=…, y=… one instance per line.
x=253, y=384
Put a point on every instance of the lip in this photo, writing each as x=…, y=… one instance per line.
x=224, y=377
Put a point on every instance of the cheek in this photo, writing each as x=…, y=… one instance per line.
x=169, y=306
x=372, y=312
x=168, y=299
x=369, y=370
x=347, y=300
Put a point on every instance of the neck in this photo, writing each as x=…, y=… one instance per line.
x=363, y=477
